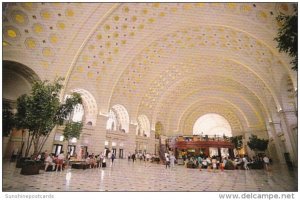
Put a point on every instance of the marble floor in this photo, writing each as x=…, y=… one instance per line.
x=128, y=176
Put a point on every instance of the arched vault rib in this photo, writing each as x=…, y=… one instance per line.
x=186, y=44
x=192, y=114
x=163, y=83
x=212, y=102
x=178, y=93
x=186, y=85
x=241, y=105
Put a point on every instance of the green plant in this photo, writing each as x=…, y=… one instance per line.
x=8, y=120
x=41, y=110
x=257, y=144
x=237, y=141
x=287, y=36
x=229, y=165
x=72, y=130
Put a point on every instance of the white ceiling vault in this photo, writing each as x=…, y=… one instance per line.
x=172, y=62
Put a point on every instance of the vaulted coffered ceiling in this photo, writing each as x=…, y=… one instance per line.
x=171, y=62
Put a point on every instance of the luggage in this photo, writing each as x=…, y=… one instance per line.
x=104, y=164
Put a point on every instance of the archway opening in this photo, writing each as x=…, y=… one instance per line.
x=143, y=126
x=212, y=124
x=118, y=119
x=17, y=80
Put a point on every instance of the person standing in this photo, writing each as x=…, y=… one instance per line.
x=245, y=162
x=133, y=157
x=112, y=159
x=68, y=159
x=101, y=156
x=167, y=161
x=266, y=162
x=172, y=161
x=200, y=163
x=129, y=156
x=214, y=163
x=60, y=161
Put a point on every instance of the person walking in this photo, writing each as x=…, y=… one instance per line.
x=172, y=161
x=199, y=163
x=133, y=157
x=112, y=159
x=129, y=156
x=167, y=161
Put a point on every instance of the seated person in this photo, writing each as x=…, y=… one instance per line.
x=49, y=161
x=204, y=163
x=88, y=160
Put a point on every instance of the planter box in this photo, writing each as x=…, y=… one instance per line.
x=30, y=169
x=20, y=162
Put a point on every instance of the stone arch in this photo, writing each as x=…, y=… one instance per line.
x=89, y=105
x=112, y=121
x=288, y=94
x=144, y=125
x=17, y=80
x=122, y=117
x=212, y=124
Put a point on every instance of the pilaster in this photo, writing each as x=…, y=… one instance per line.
x=130, y=143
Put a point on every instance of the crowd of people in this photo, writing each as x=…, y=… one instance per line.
x=218, y=162
x=60, y=161
x=146, y=157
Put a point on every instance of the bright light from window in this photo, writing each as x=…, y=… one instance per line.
x=212, y=124
x=78, y=113
x=74, y=140
x=59, y=137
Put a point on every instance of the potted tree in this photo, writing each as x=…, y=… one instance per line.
x=257, y=145
x=40, y=111
x=72, y=130
x=237, y=142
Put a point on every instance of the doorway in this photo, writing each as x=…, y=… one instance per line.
x=114, y=151
x=120, y=153
x=71, y=149
x=57, y=148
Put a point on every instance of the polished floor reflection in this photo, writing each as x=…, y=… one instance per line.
x=140, y=176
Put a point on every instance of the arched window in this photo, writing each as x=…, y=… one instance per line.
x=143, y=126
x=212, y=124
x=89, y=105
x=118, y=119
x=112, y=121
x=78, y=112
